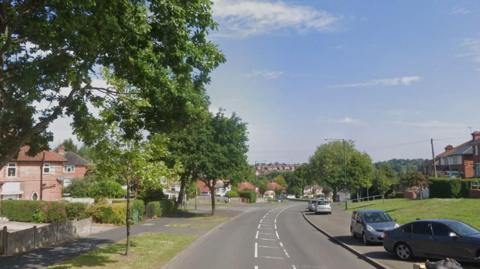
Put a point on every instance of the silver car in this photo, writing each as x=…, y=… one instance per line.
x=370, y=225
x=323, y=206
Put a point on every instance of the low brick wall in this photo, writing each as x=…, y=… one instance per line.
x=46, y=236
x=474, y=193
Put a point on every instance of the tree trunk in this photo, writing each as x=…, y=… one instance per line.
x=181, y=194
x=212, y=196
x=128, y=218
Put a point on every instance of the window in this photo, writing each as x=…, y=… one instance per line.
x=34, y=196
x=69, y=168
x=422, y=228
x=407, y=228
x=46, y=168
x=12, y=170
x=67, y=182
x=440, y=229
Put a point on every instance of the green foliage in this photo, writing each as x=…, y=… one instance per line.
x=450, y=188
x=161, y=208
x=402, y=166
x=152, y=194
x=231, y=194
x=97, y=189
x=105, y=213
x=280, y=180
x=414, y=178
x=250, y=195
x=35, y=211
x=76, y=211
x=138, y=210
x=69, y=145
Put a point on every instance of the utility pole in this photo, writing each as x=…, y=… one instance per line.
x=433, y=159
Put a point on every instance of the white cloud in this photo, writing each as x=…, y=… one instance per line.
x=348, y=120
x=471, y=49
x=459, y=11
x=265, y=74
x=240, y=19
x=388, y=82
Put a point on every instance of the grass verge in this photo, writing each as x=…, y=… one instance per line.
x=404, y=210
x=149, y=250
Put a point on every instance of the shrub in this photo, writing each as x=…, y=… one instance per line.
x=105, y=213
x=445, y=188
x=56, y=212
x=150, y=195
x=106, y=189
x=78, y=188
x=76, y=211
x=138, y=210
x=249, y=194
x=153, y=210
x=231, y=194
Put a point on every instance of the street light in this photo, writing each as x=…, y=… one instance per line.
x=344, y=142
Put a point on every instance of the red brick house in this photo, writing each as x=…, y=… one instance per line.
x=42, y=176
x=462, y=160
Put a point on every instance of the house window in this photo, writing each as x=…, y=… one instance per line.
x=12, y=170
x=67, y=182
x=69, y=168
x=34, y=196
x=47, y=168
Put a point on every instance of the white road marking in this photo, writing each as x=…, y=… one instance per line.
x=266, y=233
x=286, y=253
x=276, y=232
x=256, y=267
x=293, y=266
x=256, y=250
x=267, y=239
x=272, y=257
x=258, y=227
x=275, y=226
x=262, y=246
x=281, y=244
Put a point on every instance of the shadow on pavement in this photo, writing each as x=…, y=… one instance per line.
x=50, y=256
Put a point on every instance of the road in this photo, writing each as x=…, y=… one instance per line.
x=268, y=237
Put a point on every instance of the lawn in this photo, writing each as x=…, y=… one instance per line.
x=149, y=250
x=466, y=210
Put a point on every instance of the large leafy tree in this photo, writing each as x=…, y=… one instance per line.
x=339, y=165
x=51, y=52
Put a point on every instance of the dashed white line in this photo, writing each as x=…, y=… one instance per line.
x=256, y=235
x=262, y=246
x=281, y=244
x=272, y=257
x=256, y=250
x=256, y=267
x=267, y=239
x=293, y=267
x=276, y=232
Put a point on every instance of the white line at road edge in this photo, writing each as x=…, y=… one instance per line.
x=256, y=250
x=256, y=236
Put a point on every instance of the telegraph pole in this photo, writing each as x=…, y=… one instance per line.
x=433, y=159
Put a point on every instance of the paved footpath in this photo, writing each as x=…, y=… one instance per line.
x=49, y=256
x=337, y=225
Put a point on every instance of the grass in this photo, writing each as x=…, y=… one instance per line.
x=404, y=210
x=149, y=250
x=202, y=222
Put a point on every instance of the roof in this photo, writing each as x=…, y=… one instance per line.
x=463, y=149
x=245, y=186
x=75, y=159
x=47, y=156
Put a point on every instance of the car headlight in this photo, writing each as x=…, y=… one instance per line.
x=370, y=228
x=396, y=226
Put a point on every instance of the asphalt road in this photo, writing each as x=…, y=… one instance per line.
x=268, y=237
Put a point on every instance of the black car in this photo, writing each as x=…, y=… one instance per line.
x=434, y=238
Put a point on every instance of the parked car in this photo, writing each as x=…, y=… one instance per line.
x=434, y=238
x=323, y=206
x=370, y=225
x=311, y=205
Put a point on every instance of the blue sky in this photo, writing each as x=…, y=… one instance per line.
x=389, y=75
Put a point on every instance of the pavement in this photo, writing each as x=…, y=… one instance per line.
x=270, y=236
x=337, y=226
x=49, y=256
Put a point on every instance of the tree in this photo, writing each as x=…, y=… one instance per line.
x=280, y=180
x=339, y=165
x=51, y=51
x=69, y=145
x=132, y=163
x=413, y=179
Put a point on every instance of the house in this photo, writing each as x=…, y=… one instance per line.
x=274, y=186
x=462, y=160
x=40, y=177
x=243, y=186
x=262, y=169
x=221, y=188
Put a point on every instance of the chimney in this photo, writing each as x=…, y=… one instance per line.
x=476, y=136
x=448, y=148
x=61, y=150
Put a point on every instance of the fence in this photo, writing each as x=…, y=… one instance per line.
x=38, y=237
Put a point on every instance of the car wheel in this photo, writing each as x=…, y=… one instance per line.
x=403, y=251
x=365, y=239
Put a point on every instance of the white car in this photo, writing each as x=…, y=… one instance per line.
x=323, y=206
x=311, y=205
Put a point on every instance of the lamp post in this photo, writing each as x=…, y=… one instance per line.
x=344, y=143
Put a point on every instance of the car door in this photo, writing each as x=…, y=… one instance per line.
x=358, y=224
x=444, y=245
x=421, y=240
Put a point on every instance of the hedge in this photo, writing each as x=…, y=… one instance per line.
x=115, y=213
x=249, y=194
x=450, y=188
x=160, y=208
x=231, y=194
x=42, y=211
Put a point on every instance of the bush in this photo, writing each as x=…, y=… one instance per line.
x=445, y=188
x=76, y=211
x=231, y=194
x=34, y=211
x=138, y=210
x=106, y=189
x=160, y=208
x=150, y=195
x=105, y=213
x=78, y=188
x=249, y=194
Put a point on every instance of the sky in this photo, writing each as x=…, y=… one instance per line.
x=388, y=75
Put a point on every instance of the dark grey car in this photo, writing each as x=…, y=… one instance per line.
x=369, y=224
x=434, y=238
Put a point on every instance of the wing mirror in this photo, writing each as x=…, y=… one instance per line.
x=453, y=235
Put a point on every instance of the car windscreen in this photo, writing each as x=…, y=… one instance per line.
x=375, y=217
x=462, y=229
x=322, y=202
